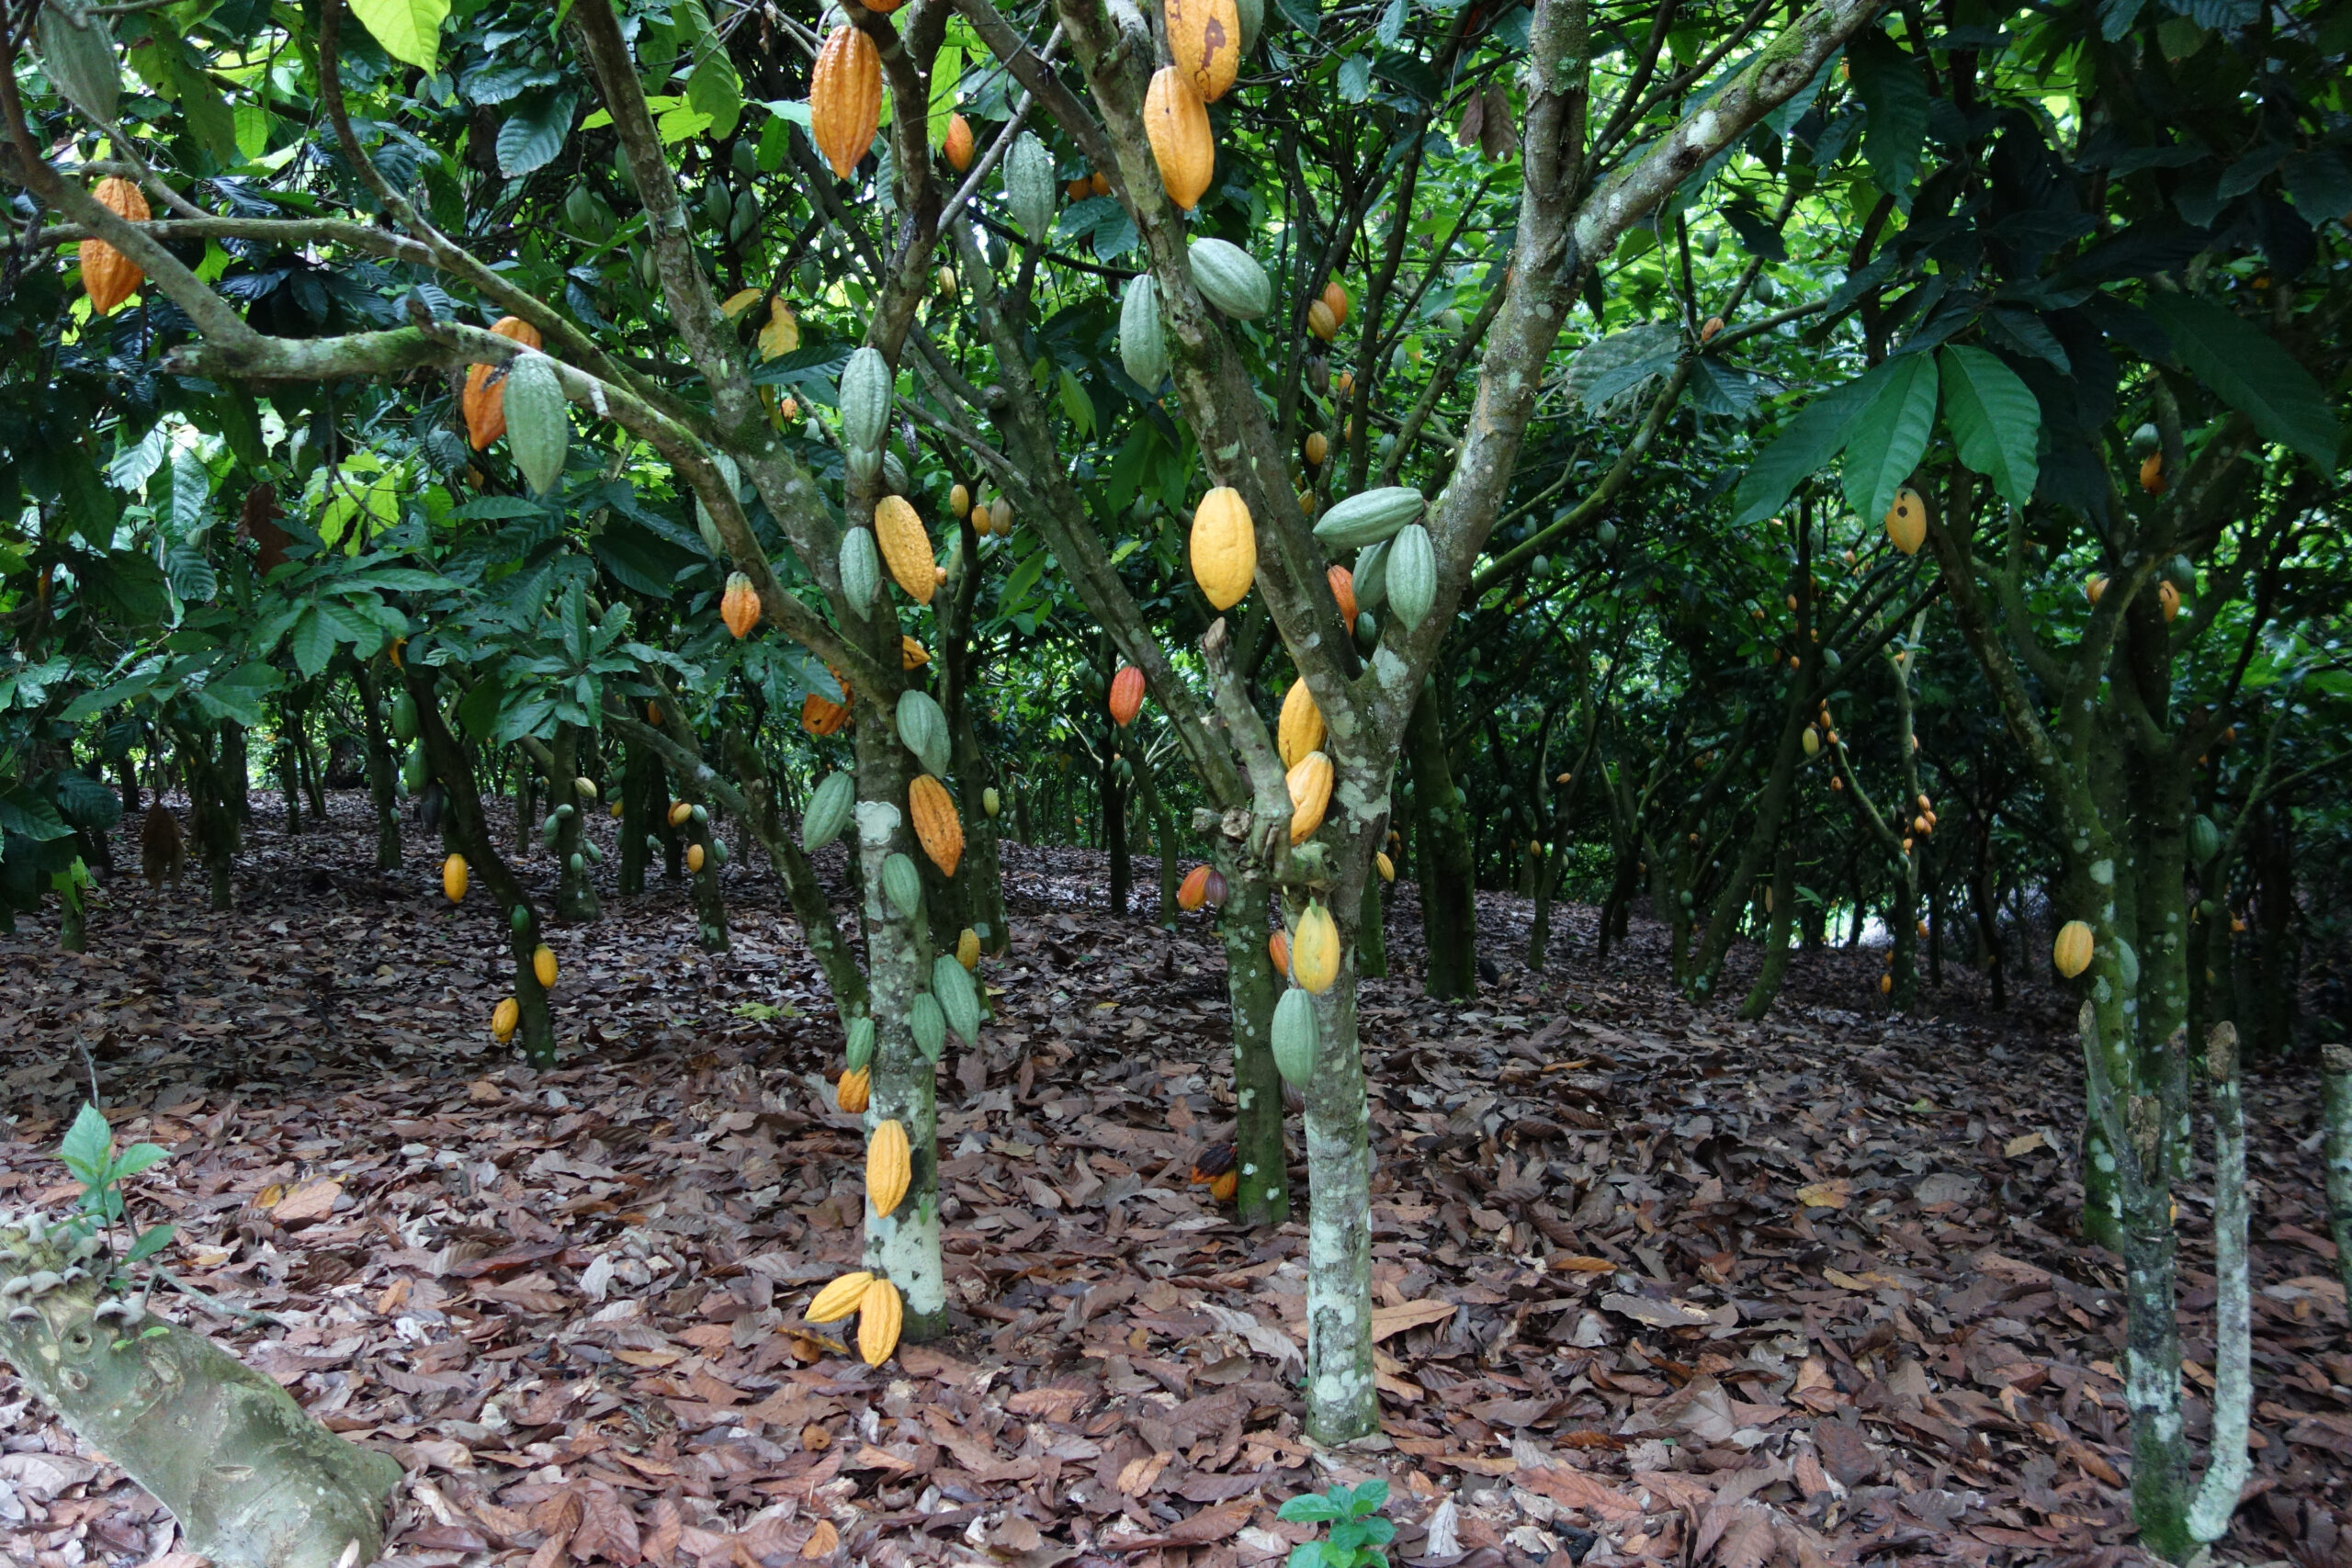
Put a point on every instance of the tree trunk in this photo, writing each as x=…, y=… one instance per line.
x=306, y=761
x=1115, y=825
x=902, y=1245
x=526, y=811
x=1771, y=806
x=1262, y=1194
x=464, y=824
x=2335, y=1120
x=126, y=772
x=1341, y=1403
x=710, y=900
x=1775, y=966
x=252, y=1481
x=289, y=783
x=1372, y=932
x=383, y=772
x=643, y=800
x=236, y=776
x=1163, y=831
x=214, y=812
x=1449, y=890
x=575, y=898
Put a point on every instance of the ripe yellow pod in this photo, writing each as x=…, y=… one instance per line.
x=543, y=966
x=856, y=1092
x=1204, y=39
x=906, y=547
x=1907, y=521
x=1315, y=951
x=694, y=859
x=1310, y=794
x=1300, y=729
x=1176, y=122
x=1223, y=548
x=503, y=1017
x=2071, y=952
x=968, y=948
x=839, y=1299
x=453, y=878
x=1388, y=867
x=888, y=1166
x=880, y=1316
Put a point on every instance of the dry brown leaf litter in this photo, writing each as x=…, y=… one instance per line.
x=1651, y=1285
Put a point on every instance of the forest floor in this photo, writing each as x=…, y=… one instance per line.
x=1652, y=1285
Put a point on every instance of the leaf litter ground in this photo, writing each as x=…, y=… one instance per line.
x=1651, y=1285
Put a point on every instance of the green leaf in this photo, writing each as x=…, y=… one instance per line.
x=716, y=91
x=1895, y=100
x=312, y=641
x=151, y=1241
x=1310, y=1508
x=535, y=133
x=2250, y=372
x=1993, y=420
x=1891, y=436
x=410, y=30
x=138, y=1158
x=88, y=1145
x=947, y=76
x=1815, y=435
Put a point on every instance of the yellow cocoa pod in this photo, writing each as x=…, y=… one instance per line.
x=1204, y=39
x=2072, y=950
x=681, y=813
x=453, y=878
x=906, y=547
x=1176, y=122
x=1388, y=867
x=880, y=1316
x=888, y=1166
x=968, y=948
x=1310, y=794
x=693, y=860
x=839, y=1299
x=503, y=1017
x=1225, y=548
x=1315, y=949
x=856, y=1090
x=1300, y=731
x=543, y=966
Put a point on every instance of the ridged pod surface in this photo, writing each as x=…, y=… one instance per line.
x=1293, y=1036
x=1310, y=794
x=1315, y=949
x=538, y=420
x=1029, y=187
x=906, y=547
x=856, y=1092
x=846, y=98
x=1127, y=695
x=1368, y=517
x=865, y=398
x=959, y=999
x=1176, y=123
x=857, y=1048
x=1412, y=575
x=504, y=1018
x=957, y=143
x=1193, y=891
x=889, y=1166
x=543, y=966
x=1204, y=38
x=1143, y=346
x=861, y=570
x=740, y=606
x=1230, y=278
x=922, y=728
x=1371, y=577
x=1300, y=729
x=927, y=1022
x=108, y=276
x=937, y=824
x=483, y=402
x=453, y=878
x=829, y=811
x=1344, y=594
x=1223, y=548
x=880, y=1316
x=839, y=1299
x=902, y=884
x=2071, y=952
x=968, y=950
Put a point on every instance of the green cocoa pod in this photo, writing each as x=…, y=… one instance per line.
x=923, y=725
x=538, y=420
x=1029, y=187
x=902, y=884
x=860, y=1050
x=1412, y=576
x=959, y=999
x=928, y=1025
x=861, y=570
x=1294, y=1037
x=829, y=811
x=1230, y=278
x=1143, y=345
x=865, y=399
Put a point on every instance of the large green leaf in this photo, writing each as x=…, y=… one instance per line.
x=2245, y=365
x=1891, y=436
x=1895, y=97
x=1993, y=420
x=1814, y=437
x=410, y=30
x=535, y=133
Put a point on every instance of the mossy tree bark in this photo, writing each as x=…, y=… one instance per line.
x=643, y=800
x=575, y=898
x=213, y=806
x=981, y=874
x=253, y=1482
x=1775, y=967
